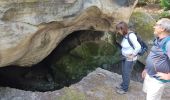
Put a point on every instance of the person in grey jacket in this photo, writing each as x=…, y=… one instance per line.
x=129, y=53
x=157, y=70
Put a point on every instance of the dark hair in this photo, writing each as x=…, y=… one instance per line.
x=123, y=27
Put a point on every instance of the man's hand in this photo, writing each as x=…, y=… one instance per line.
x=163, y=76
x=144, y=73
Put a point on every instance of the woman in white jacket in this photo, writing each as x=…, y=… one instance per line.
x=129, y=53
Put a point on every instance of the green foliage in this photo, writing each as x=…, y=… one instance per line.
x=145, y=2
x=165, y=4
x=152, y=1
x=165, y=14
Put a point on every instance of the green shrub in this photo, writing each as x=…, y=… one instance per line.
x=165, y=14
x=165, y=4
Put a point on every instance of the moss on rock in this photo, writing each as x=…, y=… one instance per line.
x=143, y=24
x=84, y=59
x=72, y=94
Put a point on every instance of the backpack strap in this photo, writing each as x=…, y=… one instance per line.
x=164, y=44
x=130, y=40
x=163, y=47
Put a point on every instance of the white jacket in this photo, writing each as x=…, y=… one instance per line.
x=127, y=49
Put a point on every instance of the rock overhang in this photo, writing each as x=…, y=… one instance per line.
x=31, y=29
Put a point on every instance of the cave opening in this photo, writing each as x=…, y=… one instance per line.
x=78, y=54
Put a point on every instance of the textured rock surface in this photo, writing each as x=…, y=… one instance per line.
x=31, y=29
x=98, y=85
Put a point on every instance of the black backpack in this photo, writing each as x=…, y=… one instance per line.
x=144, y=47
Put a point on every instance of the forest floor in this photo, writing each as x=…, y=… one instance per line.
x=152, y=8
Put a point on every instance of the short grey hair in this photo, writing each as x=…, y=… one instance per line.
x=165, y=23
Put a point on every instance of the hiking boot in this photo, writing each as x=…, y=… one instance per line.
x=119, y=87
x=121, y=91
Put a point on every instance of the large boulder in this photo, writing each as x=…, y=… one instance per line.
x=31, y=29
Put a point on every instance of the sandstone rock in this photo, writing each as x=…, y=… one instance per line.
x=31, y=29
x=98, y=85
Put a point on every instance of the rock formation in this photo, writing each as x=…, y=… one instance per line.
x=31, y=29
x=98, y=85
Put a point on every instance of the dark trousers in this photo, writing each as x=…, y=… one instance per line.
x=127, y=67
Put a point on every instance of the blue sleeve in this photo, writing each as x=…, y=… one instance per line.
x=168, y=48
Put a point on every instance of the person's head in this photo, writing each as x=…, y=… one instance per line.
x=122, y=28
x=162, y=26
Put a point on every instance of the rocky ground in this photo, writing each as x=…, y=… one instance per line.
x=98, y=85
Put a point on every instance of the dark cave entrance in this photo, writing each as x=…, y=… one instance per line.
x=77, y=55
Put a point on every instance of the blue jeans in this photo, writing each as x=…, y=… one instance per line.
x=127, y=67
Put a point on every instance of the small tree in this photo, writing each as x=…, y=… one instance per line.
x=165, y=4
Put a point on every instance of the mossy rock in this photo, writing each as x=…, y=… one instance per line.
x=90, y=49
x=143, y=24
x=72, y=94
x=85, y=58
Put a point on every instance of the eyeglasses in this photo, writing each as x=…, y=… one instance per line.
x=157, y=24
